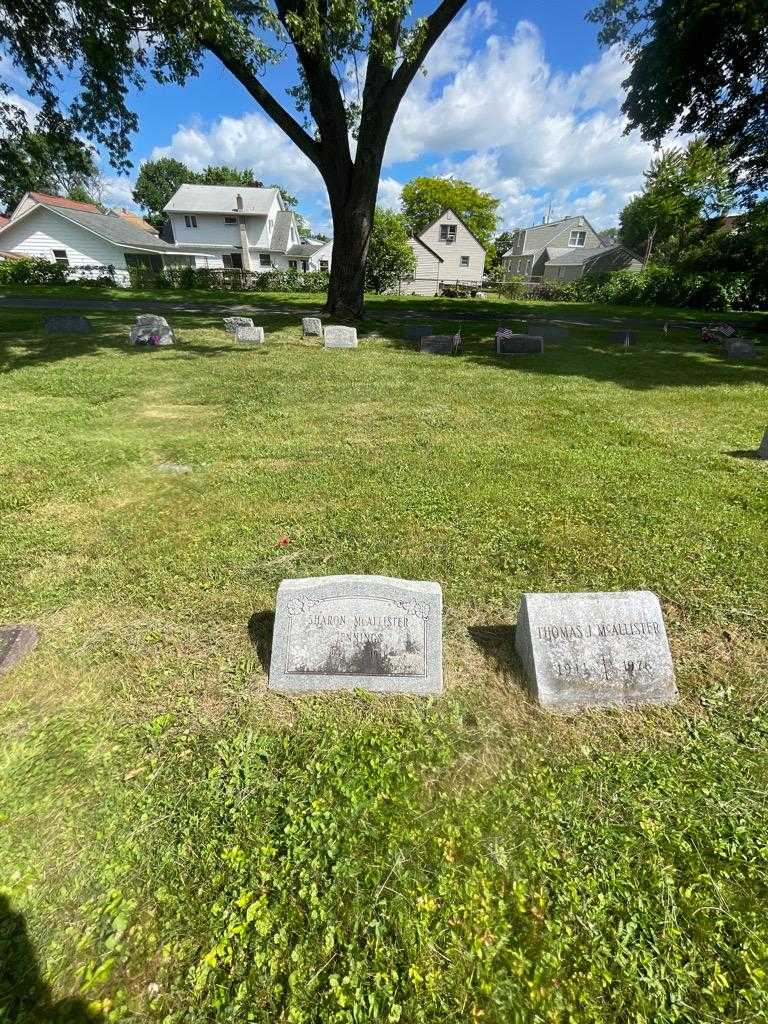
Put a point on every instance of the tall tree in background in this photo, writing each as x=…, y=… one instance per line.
x=51, y=161
x=108, y=48
x=424, y=199
x=390, y=257
x=698, y=66
x=156, y=183
x=683, y=188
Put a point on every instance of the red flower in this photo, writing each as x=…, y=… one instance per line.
x=283, y=542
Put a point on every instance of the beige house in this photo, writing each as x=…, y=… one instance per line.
x=447, y=253
x=564, y=250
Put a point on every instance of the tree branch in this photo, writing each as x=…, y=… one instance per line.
x=437, y=23
x=282, y=118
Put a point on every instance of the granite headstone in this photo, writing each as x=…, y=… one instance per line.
x=15, y=642
x=510, y=344
x=595, y=649
x=151, y=320
x=551, y=331
x=440, y=344
x=739, y=349
x=67, y=324
x=312, y=326
x=254, y=335
x=151, y=331
x=231, y=323
x=348, y=632
x=340, y=337
x=762, y=451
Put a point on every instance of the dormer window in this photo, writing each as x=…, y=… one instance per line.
x=230, y=220
x=190, y=221
x=577, y=239
x=448, y=233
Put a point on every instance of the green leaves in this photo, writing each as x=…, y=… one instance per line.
x=424, y=199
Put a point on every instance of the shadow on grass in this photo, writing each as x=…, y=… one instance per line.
x=261, y=626
x=747, y=453
x=25, y=998
x=497, y=642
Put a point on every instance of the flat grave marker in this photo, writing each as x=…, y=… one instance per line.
x=15, y=642
x=548, y=331
x=440, y=344
x=508, y=343
x=312, y=326
x=338, y=336
x=67, y=324
x=349, y=632
x=254, y=335
x=231, y=323
x=595, y=649
x=739, y=349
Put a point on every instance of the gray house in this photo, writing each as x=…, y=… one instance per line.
x=565, y=250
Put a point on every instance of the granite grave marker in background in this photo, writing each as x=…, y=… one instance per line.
x=252, y=334
x=67, y=324
x=595, y=649
x=15, y=642
x=340, y=337
x=311, y=325
x=347, y=632
x=231, y=323
x=510, y=344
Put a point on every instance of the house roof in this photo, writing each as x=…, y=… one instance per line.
x=133, y=218
x=415, y=238
x=220, y=199
x=113, y=229
x=538, y=235
x=576, y=257
x=305, y=249
x=458, y=218
x=67, y=204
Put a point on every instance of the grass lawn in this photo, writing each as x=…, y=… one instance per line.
x=179, y=845
x=395, y=305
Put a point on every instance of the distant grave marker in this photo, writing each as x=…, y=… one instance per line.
x=508, y=343
x=340, y=337
x=345, y=632
x=254, y=335
x=762, y=451
x=739, y=349
x=440, y=344
x=152, y=331
x=231, y=323
x=67, y=324
x=312, y=326
x=595, y=649
x=15, y=642
x=548, y=331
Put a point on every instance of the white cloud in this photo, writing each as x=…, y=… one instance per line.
x=390, y=191
x=493, y=110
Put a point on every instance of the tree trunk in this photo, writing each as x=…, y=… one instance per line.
x=352, y=210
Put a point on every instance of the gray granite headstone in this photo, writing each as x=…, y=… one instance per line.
x=348, y=632
x=151, y=335
x=15, y=642
x=762, y=451
x=553, y=331
x=440, y=344
x=231, y=323
x=739, y=348
x=252, y=334
x=312, y=326
x=340, y=337
x=151, y=320
x=414, y=332
x=595, y=649
x=67, y=324
x=510, y=344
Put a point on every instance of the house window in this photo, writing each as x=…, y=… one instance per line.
x=465, y=261
x=232, y=261
x=323, y=264
x=191, y=221
x=60, y=255
x=293, y=265
x=448, y=233
x=577, y=238
x=145, y=260
x=230, y=220
x=265, y=260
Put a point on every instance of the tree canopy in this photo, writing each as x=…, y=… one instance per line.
x=47, y=161
x=683, y=188
x=106, y=49
x=390, y=257
x=424, y=199
x=698, y=66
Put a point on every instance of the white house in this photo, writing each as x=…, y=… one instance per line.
x=446, y=253
x=80, y=236
x=245, y=227
x=564, y=250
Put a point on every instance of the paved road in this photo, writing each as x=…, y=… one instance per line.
x=394, y=314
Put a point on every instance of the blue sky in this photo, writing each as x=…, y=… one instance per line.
x=519, y=99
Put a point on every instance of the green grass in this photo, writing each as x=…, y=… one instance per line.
x=177, y=844
x=394, y=305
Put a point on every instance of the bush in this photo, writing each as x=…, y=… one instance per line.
x=184, y=278
x=32, y=270
x=665, y=286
